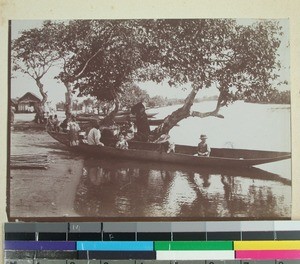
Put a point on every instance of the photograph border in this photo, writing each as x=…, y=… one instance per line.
x=19, y=9
x=94, y=218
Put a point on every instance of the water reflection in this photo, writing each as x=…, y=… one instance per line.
x=118, y=188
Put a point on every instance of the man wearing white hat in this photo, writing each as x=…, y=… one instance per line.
x=203, y=147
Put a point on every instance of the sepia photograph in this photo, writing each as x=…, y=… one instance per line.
x=149, y=119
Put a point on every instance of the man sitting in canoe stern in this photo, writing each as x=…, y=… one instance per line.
x=142, y=123
x=94, y=134
x=203, y=149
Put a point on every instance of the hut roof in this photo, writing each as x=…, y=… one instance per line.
x=29, y=97
x=14, y=101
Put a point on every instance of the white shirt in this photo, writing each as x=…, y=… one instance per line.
x=94, y=136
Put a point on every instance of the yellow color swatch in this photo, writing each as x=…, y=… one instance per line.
x=267, y=245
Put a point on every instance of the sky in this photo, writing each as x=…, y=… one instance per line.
x=20, y=83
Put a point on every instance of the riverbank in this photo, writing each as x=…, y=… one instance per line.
x=27, y=126
x=40, y=192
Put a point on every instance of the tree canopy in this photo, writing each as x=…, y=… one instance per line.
x=102, y=58
x=33, y=55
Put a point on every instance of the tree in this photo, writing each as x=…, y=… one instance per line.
x=111, y=72
x=83, y=47
x=33, y=55
x=101, y=58
x=241, y=61
x=272, y=97
x=88, y=101
x=60, y=106
x=158, y=101
x=237, y=59
x=133, y=94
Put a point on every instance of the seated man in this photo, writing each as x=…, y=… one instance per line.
x=203, y=149
x=94, y=135
x=142, y=123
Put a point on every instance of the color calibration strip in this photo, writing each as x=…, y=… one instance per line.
x=245, y=242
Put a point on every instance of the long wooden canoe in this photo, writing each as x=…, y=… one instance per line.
x=222, y=157
x=119, y=114
x=118, y=117
x=152, y=122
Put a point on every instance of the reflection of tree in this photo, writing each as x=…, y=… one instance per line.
x=206, y=182
x=107, y=190
x=98, y=175
x=232, y=200
x=258, y=203
x=153, y=188
x=202, y=204
x=134, y=189
x=94, y=185
x=261, y=201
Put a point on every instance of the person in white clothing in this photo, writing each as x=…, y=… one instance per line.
x=73, y=130
x=94, y=135
x=122, y=143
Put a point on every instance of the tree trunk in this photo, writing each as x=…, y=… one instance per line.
x=39, y=107
x=68, y=105
x=184, y=112
x=171, y=120
x=39, y=117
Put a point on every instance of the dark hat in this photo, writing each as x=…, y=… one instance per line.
x=137, y=108
x=203, y=136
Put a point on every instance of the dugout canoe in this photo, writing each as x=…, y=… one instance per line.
x=220, y=157
x=152, y=122
x=118, y=117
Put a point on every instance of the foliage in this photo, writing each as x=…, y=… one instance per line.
x=88, y=101
x=117, y=56
x=102, y=58
x=33, y=55
x=157, y=101
x=238, y=59
x=131, y=95
x=273, y=97
x=32, y=52
x=60, y=105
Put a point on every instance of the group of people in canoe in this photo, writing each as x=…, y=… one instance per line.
x=139, y=131
x=52, y=123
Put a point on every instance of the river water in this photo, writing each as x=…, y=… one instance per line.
x=107, y=188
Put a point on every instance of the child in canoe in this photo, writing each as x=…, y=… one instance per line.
x=203, y=149
x=122, y=143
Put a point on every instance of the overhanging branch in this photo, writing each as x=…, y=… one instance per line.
x=92, y=57
x=87, y=63
x=214, y=113
x=206, y=114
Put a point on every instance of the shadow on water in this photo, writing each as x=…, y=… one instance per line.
x=120, y=188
